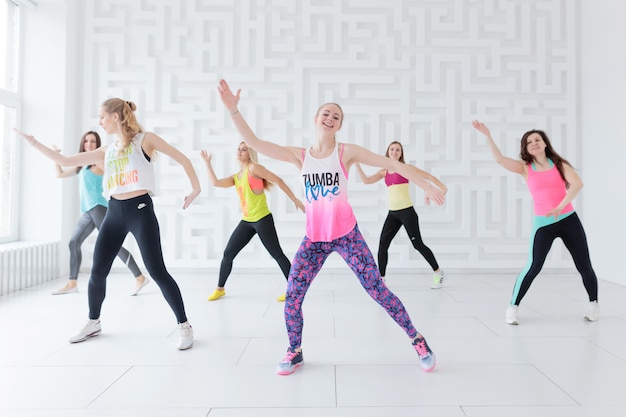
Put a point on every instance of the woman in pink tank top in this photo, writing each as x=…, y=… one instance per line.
x=553, y=184
x=324, y=169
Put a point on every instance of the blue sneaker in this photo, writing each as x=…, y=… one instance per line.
x=292, y=361
x=426, y=356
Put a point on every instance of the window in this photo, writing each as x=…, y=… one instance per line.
x=9, y=104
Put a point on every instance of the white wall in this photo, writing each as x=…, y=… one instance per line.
x=414, y=71
x=603, y=132
x=51, y=89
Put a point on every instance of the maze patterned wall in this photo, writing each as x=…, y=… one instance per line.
x=414, y=71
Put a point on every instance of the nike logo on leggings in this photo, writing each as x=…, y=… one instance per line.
x=141, y=205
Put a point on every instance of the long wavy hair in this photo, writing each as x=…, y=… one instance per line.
x=126, y=112
x=550, y=152
x=254, y=158
x=81, y=147
x=395, y=142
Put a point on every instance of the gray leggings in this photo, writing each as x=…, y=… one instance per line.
x=89, y=221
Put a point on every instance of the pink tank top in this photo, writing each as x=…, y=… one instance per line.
x=547, y=189
x=329, y=215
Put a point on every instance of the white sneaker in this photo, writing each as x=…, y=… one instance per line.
x=437, y=280
x=593, y=311
x=92, y=328
x=511, y=314
x=185, y=339
x=139, y=287
x=65, y=290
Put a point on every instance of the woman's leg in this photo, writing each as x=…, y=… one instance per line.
x=575, y=240
x=307, y=262
x=143, y=224
x=83, y=229
x=354, y=250
x=97, y=216
x=240, y=237
x=266, y=230
x=390, y=230
x=111, y=235
x=410, y=221
x=541, y=242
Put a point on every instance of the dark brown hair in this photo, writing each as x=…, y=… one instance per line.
x=81, y=147
x=550, y=152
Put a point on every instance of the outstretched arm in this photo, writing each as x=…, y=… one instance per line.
x=430, y=177
x=62, y=173
x=355, y=153
x=282, y=153
x=222, y=182
x=516, y=166
x=369, y=179
x=152, y=142
x=79, y=159
x=260, y=171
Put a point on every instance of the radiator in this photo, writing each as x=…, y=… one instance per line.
x=24, y=264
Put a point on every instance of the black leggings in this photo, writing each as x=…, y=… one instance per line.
x=241, y=236
x=135, y=215
x=571, y=232
x=408, y=218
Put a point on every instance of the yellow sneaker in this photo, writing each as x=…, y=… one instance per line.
x=281, y=297
x=217, y=294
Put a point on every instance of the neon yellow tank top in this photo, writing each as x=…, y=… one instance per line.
x=253, y=206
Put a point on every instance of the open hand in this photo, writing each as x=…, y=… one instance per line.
x=29, y=138
x=229, y=99
x=481, y=127
x=206, y=156
x=190, y=197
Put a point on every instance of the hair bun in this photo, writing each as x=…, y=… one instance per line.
x=132, y=105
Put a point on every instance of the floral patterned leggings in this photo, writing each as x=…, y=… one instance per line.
x=354, y=250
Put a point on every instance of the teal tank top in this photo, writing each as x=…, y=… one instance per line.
x=90, y=190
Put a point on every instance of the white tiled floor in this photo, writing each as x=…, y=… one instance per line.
x=358, y=362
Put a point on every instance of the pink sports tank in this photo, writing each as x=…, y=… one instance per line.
x=547, y=189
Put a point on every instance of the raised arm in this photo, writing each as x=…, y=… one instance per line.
x=76, y=160
x=516, y=166
x=282, y=153
x=263, y=173
x=153, y=142
x=222, y=182
x=369, y=179
x=575, y=184
x=355, y=153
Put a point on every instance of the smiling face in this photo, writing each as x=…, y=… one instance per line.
x=395, y=151
x=535, y=145
x=329, y=117
x=90, y=143
x=242, y=152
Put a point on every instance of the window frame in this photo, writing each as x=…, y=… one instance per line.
x=11, y=98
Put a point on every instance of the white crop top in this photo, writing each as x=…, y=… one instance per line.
x=130, y=171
